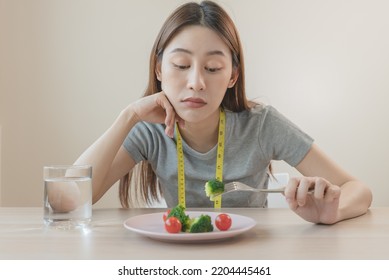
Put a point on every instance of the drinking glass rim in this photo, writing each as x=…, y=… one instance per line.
x=68, y=166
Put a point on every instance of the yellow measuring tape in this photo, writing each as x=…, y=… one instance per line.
x=219, y=161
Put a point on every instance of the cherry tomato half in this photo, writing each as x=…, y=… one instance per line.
x=166, y=214
x=223, y=222
x=173, y=225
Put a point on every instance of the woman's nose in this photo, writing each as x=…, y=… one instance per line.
x=196, y=80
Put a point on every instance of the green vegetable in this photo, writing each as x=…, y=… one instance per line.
x=179, y=213
x=213, y=187
x=203, y=223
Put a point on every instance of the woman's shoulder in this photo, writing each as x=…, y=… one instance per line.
x=256, y=109
x=251, y=119
x=257, y=118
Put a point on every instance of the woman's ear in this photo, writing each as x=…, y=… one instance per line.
x=158, y=72
x=234, y=78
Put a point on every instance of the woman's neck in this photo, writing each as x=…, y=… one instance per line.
x=202, y=136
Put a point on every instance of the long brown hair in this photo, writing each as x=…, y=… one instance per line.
x=210, y=15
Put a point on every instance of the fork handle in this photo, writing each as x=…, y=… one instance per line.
x=273, y=190
x=280, y=190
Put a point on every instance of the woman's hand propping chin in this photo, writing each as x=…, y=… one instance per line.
x=156, y=108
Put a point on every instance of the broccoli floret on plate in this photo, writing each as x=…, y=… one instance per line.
x=203, y=223
x=179, y=212
x=213, y=187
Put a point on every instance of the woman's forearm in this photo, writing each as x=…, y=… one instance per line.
x=355, y=199
x=101, y=154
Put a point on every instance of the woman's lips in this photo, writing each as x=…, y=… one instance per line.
x=194, y=102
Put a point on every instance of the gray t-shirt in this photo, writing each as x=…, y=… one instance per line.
x=253, y=138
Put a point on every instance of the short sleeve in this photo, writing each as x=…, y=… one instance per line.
x=280, y=139
x=136, y=142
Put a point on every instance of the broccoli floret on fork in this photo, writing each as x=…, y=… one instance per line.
x=213, y=187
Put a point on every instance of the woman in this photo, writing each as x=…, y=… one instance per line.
x=196, y=87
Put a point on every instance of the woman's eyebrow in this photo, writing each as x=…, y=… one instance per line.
x=215, y=52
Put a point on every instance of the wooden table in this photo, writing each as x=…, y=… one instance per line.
x=279, y=234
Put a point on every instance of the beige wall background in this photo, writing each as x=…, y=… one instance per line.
x=67, y=68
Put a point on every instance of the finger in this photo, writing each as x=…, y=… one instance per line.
x=169, y=122
x=320, y=188
x=290, y=193
x=302, y=190
x=171, y=118
x=169, y=114
x=180, y=121
x=332, y=193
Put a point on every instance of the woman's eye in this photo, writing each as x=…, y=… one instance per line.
x=212, y=69
x=181, y=67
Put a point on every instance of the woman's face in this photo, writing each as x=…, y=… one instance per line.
x=195, y=72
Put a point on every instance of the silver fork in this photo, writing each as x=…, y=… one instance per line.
x=238, y=186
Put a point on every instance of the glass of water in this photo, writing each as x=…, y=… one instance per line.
x=67, y=196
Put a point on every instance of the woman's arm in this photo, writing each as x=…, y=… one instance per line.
x=109, y=160
x=337, y=195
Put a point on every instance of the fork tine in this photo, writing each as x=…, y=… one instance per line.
x=243, y=187
x=229, y=187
